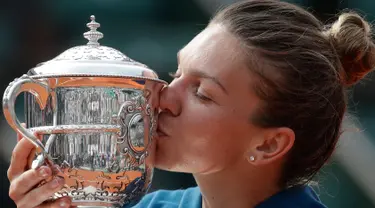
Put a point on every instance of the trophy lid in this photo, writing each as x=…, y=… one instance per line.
x=93, y=59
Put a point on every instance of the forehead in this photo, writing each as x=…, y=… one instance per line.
x=218, y=53
x=214, y=47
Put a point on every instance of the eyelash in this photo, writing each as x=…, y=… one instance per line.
x=196, y=93
x=174, y=75
x=201, y=97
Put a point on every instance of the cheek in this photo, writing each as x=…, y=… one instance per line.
x=212, y=128
x=208, y=141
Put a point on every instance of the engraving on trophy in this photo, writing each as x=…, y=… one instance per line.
x=93, y=172
x=132, y=123
x=100, y=166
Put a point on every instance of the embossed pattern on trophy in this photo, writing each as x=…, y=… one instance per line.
x=97, y=166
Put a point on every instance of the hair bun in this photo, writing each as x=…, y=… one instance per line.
x=352, y=38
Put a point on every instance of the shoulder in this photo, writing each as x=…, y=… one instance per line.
x=308, y=198
x=187, y=198
x=296, y=197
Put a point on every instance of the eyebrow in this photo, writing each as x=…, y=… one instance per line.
x=202, y=74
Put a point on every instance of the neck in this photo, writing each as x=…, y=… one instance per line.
x=236, y=187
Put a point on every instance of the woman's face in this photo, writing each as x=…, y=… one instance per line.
x=206, y=108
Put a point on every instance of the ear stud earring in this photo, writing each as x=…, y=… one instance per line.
x=252, y=158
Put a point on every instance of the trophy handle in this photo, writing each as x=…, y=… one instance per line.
x=24, y=84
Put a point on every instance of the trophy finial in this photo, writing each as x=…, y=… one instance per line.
x=93, y=35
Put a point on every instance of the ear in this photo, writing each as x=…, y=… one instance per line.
x=273, y=145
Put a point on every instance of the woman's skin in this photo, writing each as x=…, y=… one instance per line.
x=205, y=116
x=204, y=128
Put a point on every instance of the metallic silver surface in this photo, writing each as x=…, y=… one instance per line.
x=93, y=35
x=93, y=59
x=94, y=112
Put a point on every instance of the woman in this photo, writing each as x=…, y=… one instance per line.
x=254, y=111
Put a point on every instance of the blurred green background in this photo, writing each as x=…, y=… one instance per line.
x=152, y=32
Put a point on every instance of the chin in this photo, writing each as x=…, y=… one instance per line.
x=162, y=161
x=172, y=168
x=165, y=161
x=162, y=165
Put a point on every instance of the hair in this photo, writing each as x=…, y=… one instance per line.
x=304, y=68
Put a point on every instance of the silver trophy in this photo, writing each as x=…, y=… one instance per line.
x=94, y=111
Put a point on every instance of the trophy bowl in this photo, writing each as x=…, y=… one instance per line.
x=92, y=114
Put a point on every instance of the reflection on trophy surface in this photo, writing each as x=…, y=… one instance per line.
x=95, y=111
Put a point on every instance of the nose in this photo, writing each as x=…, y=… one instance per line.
x=169, y=101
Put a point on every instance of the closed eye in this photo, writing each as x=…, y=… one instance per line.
x=202, y=97
x=196, y=92
x=174, y=75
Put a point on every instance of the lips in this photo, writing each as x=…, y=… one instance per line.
x=161, y=132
